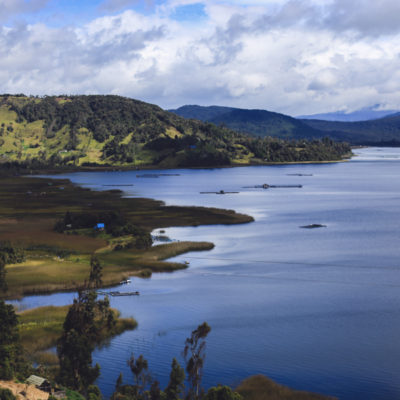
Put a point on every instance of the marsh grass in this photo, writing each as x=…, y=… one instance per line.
x=49, y=274
x=41, y=327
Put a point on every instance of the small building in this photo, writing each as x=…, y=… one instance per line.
x=39, y=382
x=99, y=226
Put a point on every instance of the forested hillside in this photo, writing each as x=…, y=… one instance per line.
x=79, y=131
x=261, y=123
x=382, y=131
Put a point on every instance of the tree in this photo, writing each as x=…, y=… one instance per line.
x=11, y=254
x=155, y=391
x=10, y=349
x=3, y=283
x=96, y=272
x=222, y=393
x=93, y=393
x=194, y=353
x=139, y=368
x=77, y=343
x=6, y=394
x=118, y=383
x=176, y=381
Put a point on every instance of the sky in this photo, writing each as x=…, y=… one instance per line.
x=290, y=56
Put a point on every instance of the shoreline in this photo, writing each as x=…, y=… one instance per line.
x=115, y=168
x=30, y=206
x=143, y=267
x=108, y=168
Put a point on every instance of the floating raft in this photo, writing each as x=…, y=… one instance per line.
x=113, y=294
x=220, y=192
x=266, y=186
x=299, y=174
x=282, y=186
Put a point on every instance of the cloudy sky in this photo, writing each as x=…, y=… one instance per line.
x=290, y=56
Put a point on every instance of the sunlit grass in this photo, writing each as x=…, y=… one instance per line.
x=41, y=327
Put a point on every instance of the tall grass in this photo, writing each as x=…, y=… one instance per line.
x=41, y=327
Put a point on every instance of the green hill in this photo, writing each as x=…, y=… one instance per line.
x=261, y=123
x=79, y=131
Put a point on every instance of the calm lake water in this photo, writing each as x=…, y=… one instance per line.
x=315, y=309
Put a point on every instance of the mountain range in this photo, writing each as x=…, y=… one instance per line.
x=381, y=131
x=109, y=131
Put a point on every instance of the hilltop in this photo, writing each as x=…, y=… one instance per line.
x=109, y=131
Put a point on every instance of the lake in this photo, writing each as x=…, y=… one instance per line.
x=314, y=309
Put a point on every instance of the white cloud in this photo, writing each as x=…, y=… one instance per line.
x=11, y=8
x=293, y=56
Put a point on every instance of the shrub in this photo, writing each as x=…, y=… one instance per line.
x=6, y=394
x=11, y=254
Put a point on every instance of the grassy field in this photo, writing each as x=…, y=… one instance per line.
x=41, y=327
x=45, y=273
x=260, y=387
x=29, y=208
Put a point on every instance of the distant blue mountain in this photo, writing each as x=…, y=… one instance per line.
x=364, y=114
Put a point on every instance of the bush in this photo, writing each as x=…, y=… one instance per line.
x=144, y=241
x=10, y=254
x=222, y=393
x=6, y=372
x=6, y=394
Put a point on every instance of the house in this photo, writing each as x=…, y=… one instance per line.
x=99, y=226
x=39, y=382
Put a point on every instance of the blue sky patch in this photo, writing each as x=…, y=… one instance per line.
x=190, y=12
